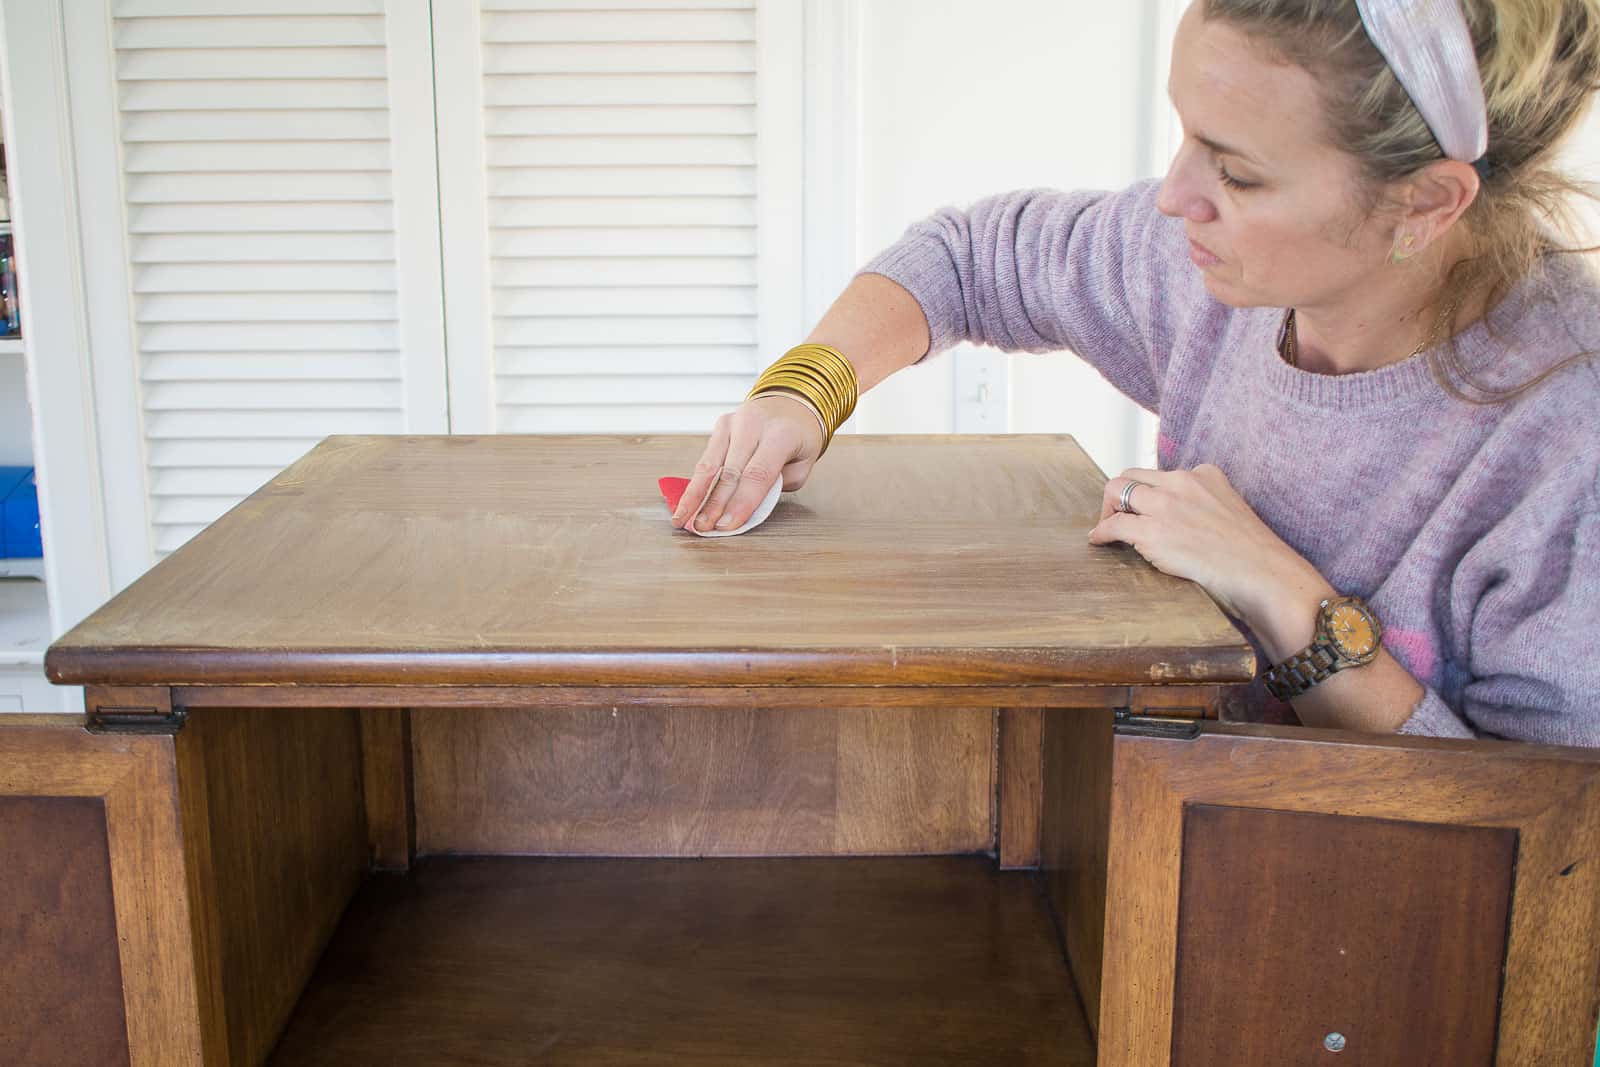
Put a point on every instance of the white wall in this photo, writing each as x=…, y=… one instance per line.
x=960, y=99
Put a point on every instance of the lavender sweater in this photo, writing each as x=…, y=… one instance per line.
x=1473, y=531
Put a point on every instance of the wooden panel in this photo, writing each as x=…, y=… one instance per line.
x=693, y=781
x=1294, y=927
x=1020, y=790
x=62, y=980
x=1550, y=797
x=1075, y=825
x=727, y=696
x=288, y=846
x=164, y=997
x=549, y=560
x=386, y=783
x=838, y=962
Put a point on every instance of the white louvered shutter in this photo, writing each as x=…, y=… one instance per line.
x=281, y=237
x=620, y=197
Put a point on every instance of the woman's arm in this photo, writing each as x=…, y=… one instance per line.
x=879, y=327
x=1195, y=525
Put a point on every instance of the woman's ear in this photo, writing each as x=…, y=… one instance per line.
x=1435, y=198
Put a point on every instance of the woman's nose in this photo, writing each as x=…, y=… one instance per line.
x=1184, y=190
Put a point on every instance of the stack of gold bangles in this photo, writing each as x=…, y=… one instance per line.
x=819, y=377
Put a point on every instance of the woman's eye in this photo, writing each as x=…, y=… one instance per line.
x=1230, y=181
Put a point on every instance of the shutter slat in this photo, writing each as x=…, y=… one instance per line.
x=617, y=361
x=716, y=57
x=270, y=337
x=221, y=452
x=535, y=212
x=270, y=367
x=268, y=308
x=239, y=63
x=222, y=95
x=271, y=396
x=613, y=5
x=582, y=389
x=618, y=88
x=248, y=31
x=643, y=330
x=260, y=218
x=264, y=247
x=628, y=180
x=222, y=483
x=688, y=119
x=187, y=127
x=175, y=8
x=260, y=187
x=639, y=272
x=565, y=27
x=298, y=425
x=662, y=300
x=639, y=241
x=659, y=418
x=267, y=278
x=578, y=151
x=220, y=156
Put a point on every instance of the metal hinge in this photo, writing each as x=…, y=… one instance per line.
x=113, y=720
x=1130, y=725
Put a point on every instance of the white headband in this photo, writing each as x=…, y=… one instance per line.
x=1429, y=48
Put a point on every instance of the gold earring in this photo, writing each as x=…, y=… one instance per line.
x=1406, y=247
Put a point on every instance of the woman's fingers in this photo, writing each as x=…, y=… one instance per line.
x=1141, y=498
x=745, y=433
x=705, y=471
x=755, y=481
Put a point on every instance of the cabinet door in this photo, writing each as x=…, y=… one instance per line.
x=1285, y=897
x=259, y=201
x=102, y=965
x=620, y=199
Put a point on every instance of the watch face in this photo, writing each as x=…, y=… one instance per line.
x=1352, y=630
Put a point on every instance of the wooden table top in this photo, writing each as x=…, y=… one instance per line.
x=540, y=560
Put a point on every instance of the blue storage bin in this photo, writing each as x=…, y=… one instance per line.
x=19, y=514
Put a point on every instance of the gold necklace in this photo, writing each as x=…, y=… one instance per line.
x=1288, y=351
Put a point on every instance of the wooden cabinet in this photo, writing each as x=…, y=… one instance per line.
x=449, y=750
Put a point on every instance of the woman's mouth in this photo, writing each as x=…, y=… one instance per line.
x=1201, y=256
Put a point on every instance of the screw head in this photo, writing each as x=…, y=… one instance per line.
x=1334, y=1042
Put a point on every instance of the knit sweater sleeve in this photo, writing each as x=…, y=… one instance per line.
x=1525, y=608
x=1043, y=270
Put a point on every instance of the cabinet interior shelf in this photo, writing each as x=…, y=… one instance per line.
x=503, y=960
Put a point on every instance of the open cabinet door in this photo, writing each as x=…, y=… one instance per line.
x=1279, y=896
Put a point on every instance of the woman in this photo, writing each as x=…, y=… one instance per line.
x=1369, y=356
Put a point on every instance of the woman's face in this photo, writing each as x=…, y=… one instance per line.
x=1267, y=201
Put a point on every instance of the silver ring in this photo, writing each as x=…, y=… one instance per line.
x=1125, y=501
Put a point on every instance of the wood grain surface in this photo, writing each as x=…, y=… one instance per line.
x=1019, y=787
x=704, y=782
x=287, y=847
x=1074, y=840
x=61, y=980
x=387, y=782
x=550, y=560
x=1550, y=797
x=1294, y=926
x=814, y=962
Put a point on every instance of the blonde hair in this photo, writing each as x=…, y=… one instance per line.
x=1540, y=63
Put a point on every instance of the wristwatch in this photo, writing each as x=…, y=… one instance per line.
x=1348, y=635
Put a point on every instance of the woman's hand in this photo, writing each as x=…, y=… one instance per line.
x=1195, y=525
x=750, y=448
